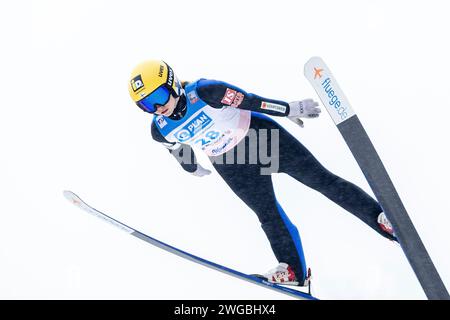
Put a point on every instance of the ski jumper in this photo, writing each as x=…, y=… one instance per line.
x=218, y=120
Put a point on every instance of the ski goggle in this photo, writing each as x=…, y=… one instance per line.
x=159, y=97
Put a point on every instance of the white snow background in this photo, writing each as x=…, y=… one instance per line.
x=67, y=122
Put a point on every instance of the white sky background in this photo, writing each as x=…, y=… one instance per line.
x=67, y=122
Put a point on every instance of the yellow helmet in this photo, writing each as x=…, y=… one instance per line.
x=151, y=83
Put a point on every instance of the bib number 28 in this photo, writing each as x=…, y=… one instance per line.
x=210, y=135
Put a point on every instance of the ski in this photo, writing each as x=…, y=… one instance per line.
x=74, y=199
x=354, y=134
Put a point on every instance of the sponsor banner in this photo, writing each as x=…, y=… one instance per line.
x=229, y=96
x=137, y=83
x=169, y=77
x=238, y=100
x=161, y=121
x=233, y=98
x=273, y=107
x=193, y=98
x=193, y=126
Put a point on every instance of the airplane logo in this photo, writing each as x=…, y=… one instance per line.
x=317, y=73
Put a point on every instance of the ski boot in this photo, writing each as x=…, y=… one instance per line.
x=385, y=224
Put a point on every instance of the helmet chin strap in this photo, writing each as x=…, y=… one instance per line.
x=180, y=89
x=181, y=107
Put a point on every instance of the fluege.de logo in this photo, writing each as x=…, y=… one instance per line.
x=334, y=100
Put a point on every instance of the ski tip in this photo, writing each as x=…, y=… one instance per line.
x=316, y=60
x=72, y=197
x=67, y=194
